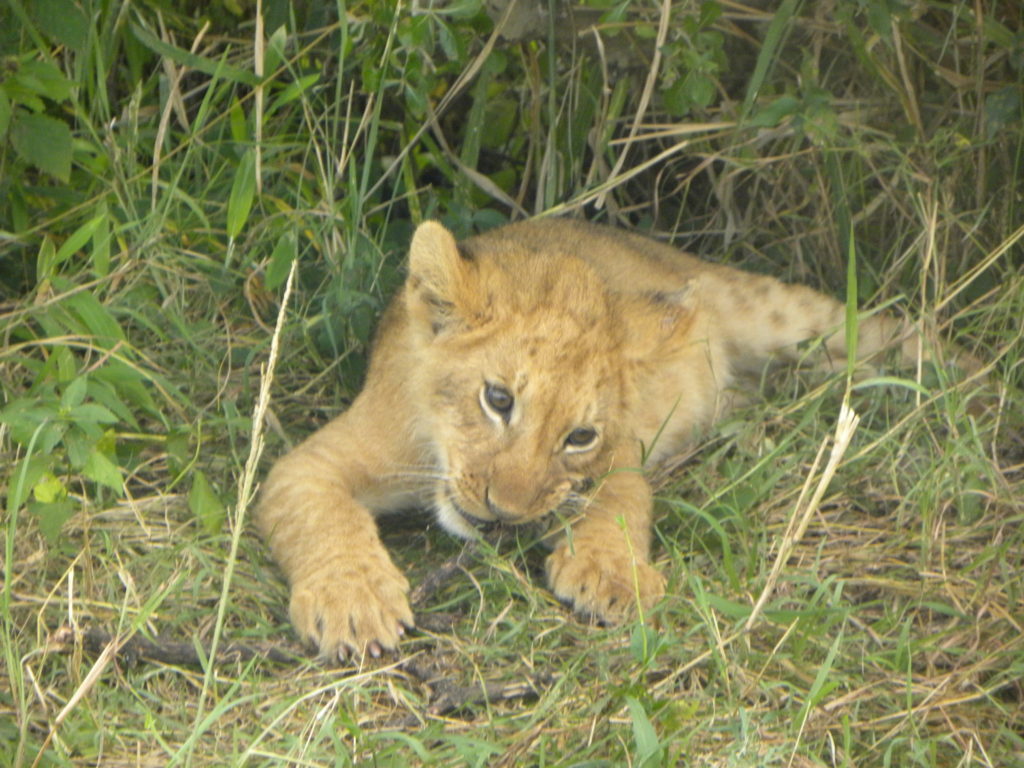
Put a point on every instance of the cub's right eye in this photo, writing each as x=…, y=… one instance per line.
x=497, y=401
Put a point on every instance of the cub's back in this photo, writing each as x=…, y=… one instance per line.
x=625, y=262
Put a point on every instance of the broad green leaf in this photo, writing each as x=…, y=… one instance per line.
x=768, y=56
x=81, y=440
x=44, y=79
x=92, y=412
x=74, y=392
x=276, y=50
x=178, y=448
x=43, y=142
x=64, y=21
x=700, y=88
x=181, y=56
x=29, y=420
x=100, y=256
x=5, y=112
x=107, y=443
x=205, y=504
x=49, y=488
x=892, y=381
x=52, y=516
x=130, y=385
x=674, y=98
x=23, y=478
x=997, y=33
x=776, y=112
x=644, y=642
x=95, y=318
x=616, y=14
x=79, y=445
x=820, y=124
x=236, y=119
x=46, y=260
x=880, y=18
x=281, y=260
x=25, y=98
x=103, y=392
x=100, y=469
x=243, y=190
x=648, y=747
x=730, y=608
x=77, y=239
x=1002, y=110
x=294, y=90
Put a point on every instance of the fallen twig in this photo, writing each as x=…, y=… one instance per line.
x=193, y=654
x=438, y=577
x=447, y=696
x=135, y=648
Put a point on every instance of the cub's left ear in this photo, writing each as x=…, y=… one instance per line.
x=439, y=275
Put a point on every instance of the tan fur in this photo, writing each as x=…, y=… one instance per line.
x=586, y=328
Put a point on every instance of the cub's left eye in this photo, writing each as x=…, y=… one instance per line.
x=581, y=439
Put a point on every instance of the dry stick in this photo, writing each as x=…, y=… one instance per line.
x=161, y=650
x=446, y=696
x=450, y=698
x=128, y=650
x=909, y=98
x=245, y=495
x=439, y=576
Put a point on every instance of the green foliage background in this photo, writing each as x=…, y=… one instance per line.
x=163, y=164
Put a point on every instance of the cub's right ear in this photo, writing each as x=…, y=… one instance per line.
x=660, y=323
x=438, y=276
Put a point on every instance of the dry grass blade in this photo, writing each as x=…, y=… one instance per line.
x=805, y=507
x=246, y=493
x=645, y=95
x=108, y=653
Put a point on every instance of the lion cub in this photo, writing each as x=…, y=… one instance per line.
x=521, y=373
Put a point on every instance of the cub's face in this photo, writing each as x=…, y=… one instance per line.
x=527, y=370
x=524, y=422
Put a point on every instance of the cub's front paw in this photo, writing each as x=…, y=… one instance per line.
x=603, y=584
x=357, y=605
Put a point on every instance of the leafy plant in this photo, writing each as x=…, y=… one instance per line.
x=694, y=62
x=30, y=87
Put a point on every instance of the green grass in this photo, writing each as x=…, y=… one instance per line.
x=142, y=272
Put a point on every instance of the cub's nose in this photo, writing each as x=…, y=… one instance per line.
x=500, y=512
